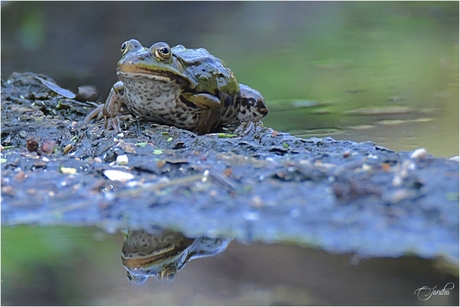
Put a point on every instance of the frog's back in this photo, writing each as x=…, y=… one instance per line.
x=214, y=77
x=191, y=56
x=209, y=72
x=201, y=62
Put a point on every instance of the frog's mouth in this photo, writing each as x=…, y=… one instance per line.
x=170, y=253
x=126, y=71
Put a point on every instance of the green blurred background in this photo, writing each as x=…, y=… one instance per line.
x=380, y=71
x=312, y=61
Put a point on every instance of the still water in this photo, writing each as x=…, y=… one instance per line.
x=87, y=266
x=385, y=72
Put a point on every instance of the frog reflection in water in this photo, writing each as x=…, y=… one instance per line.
x=161, y=253
x=186, y=88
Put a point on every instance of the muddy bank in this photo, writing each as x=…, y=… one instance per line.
x=260, y=185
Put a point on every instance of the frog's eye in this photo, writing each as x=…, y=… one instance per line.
x=163, y=52
x=124, y=46
x=129, y=45
x=168, y=274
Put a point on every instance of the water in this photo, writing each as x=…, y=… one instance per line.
x=82, y=266
x=385, y=72
x=395, y=127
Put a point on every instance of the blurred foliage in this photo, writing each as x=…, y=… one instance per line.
x=32, y=30
x=344, y=55
x=33, y=257
x=366, y=47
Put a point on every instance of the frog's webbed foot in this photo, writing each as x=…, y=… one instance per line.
x=247, y=127
x=112, y=123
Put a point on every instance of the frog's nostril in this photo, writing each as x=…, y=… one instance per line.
x=141, y=57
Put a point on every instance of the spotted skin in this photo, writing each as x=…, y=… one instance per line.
x=186, y=88
x=158, y=101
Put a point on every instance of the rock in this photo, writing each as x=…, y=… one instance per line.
x=266, y=186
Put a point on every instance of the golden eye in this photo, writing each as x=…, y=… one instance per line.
x=162, y=51
x=168, y=274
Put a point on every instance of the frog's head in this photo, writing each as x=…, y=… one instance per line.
x=160, y=254
x=157, y=62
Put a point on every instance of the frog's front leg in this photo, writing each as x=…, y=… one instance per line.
x=111, y=109
x=113, y=105
x=210, y=115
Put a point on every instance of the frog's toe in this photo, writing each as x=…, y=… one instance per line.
x=96, y=113
x=244, y=128
x=113, y=123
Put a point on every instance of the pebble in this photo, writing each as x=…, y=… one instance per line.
x=419, y=153
x=122, y=160
x=115, y=175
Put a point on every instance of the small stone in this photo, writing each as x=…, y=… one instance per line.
x=122, y=160
x=87, y=93
x=127, y=147
x=68, y=170
x=68, y=148
x=115, y=175
x=31, y=144
x=48, y=146
x=419, y=153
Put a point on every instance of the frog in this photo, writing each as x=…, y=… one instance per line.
x=177, y=86
x=161, y=253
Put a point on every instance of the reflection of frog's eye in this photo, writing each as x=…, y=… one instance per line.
x=163, y=52
x=168, y=274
